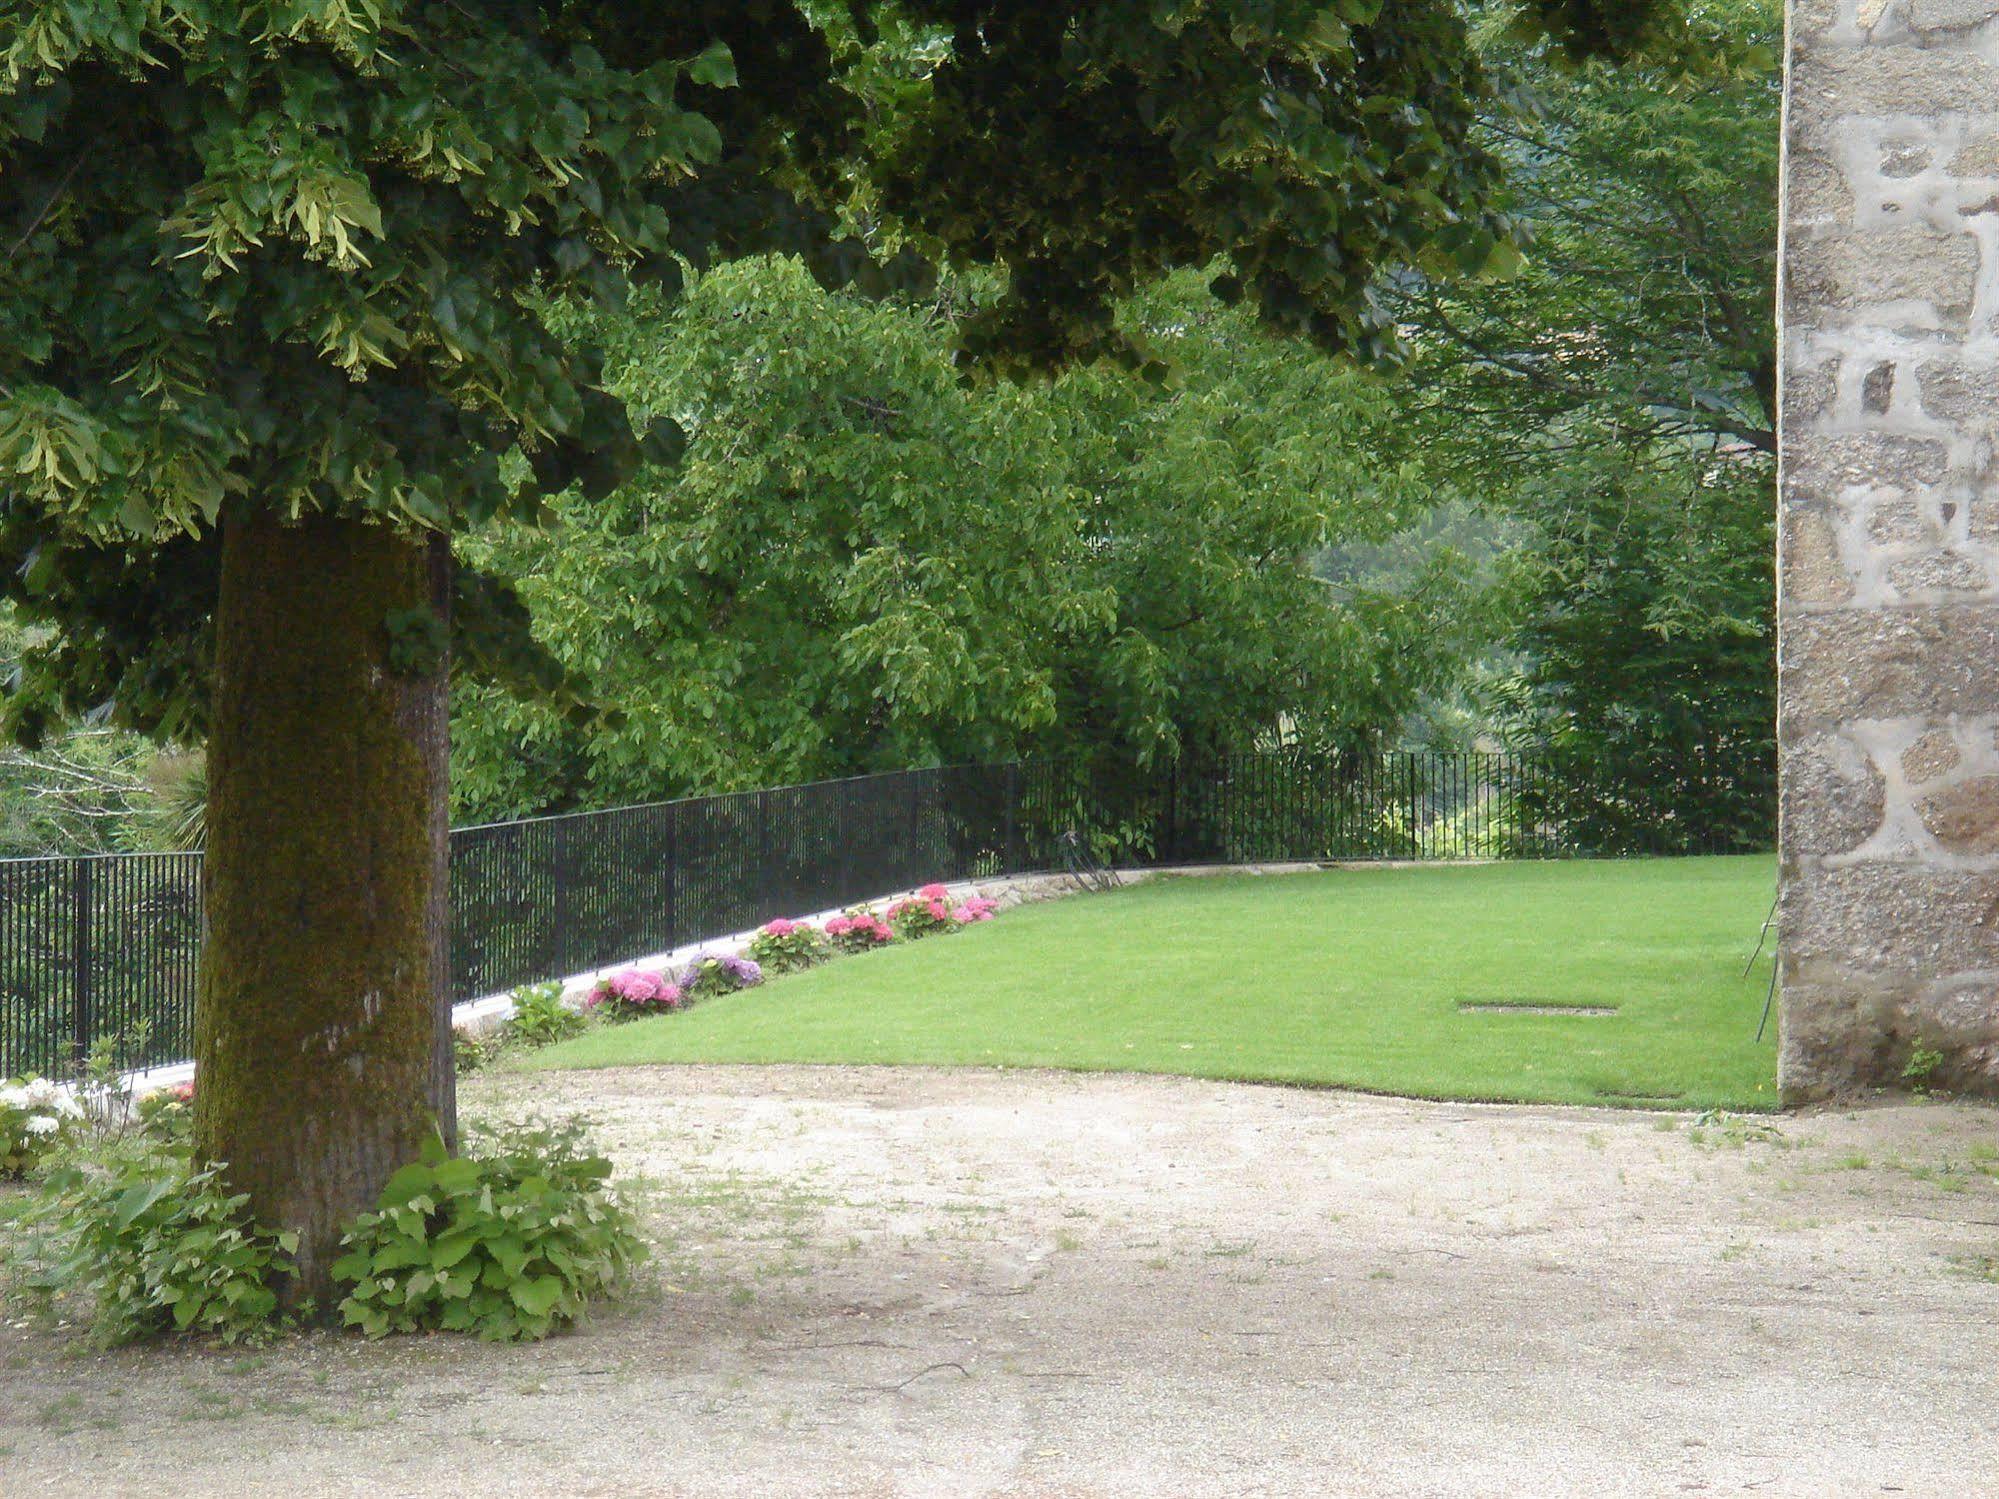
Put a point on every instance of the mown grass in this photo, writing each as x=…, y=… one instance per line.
x=1343, y=978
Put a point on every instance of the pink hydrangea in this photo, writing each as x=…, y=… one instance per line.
x=933, y=892
x=782, y=927
x=636, y=986
x=864, y=928
x=637, y=989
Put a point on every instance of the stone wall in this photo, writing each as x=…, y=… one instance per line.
x=1888, y=656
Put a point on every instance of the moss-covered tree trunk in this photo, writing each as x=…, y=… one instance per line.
x=322, y=1031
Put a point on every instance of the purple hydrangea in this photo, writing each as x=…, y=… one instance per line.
x=721, y=974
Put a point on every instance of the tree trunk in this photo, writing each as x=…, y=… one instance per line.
x=322, y=1022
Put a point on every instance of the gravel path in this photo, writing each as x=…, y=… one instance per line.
x=888, y=1282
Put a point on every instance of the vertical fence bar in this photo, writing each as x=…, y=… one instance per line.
x=1010, y=852
x=82, y=1016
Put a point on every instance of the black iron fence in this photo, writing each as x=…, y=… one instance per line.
x=106, y=946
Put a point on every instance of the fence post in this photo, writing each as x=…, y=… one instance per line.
x=766, y=899
x=559, y=892
x=83, y=1013
x=671, y=853
x=1010, y=852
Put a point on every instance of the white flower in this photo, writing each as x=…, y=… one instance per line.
x=41, y=1094
x=13, y=1098
x=43, y=1124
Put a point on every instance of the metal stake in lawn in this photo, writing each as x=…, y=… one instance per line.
x=1770, y=995
x=1081, y=866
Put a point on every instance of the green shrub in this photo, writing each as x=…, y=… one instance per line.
x=784, y=946
x=511, y=1241
x=540, y=1017
x=156, y=1244
x=474, y=1053
x=1921, y=1067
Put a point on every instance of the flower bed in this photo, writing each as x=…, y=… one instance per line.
x=541, y=1015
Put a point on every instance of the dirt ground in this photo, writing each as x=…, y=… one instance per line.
x=889, y=1282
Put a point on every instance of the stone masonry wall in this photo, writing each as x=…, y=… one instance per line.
x=1889, y=544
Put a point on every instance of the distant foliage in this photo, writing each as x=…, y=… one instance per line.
x=1615, y=401
x=862, y=563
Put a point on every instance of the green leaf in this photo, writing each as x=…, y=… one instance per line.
x=406, y=1183
x=456, y=1175
x=715, y=66
x=135, y=1200
x=537, y=1296
x=453, y=1247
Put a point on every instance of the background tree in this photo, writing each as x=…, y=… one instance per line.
x=1616, y=400
x=864, y=564
x=270, y=326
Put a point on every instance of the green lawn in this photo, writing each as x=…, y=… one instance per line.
x=1349, y=978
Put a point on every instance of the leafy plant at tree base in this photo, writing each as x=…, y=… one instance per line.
x=157, y=1245
x=510, y=1242
x=785, y=946
x=540, y=1017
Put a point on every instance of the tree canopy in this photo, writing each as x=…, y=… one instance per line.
x=293, y=254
